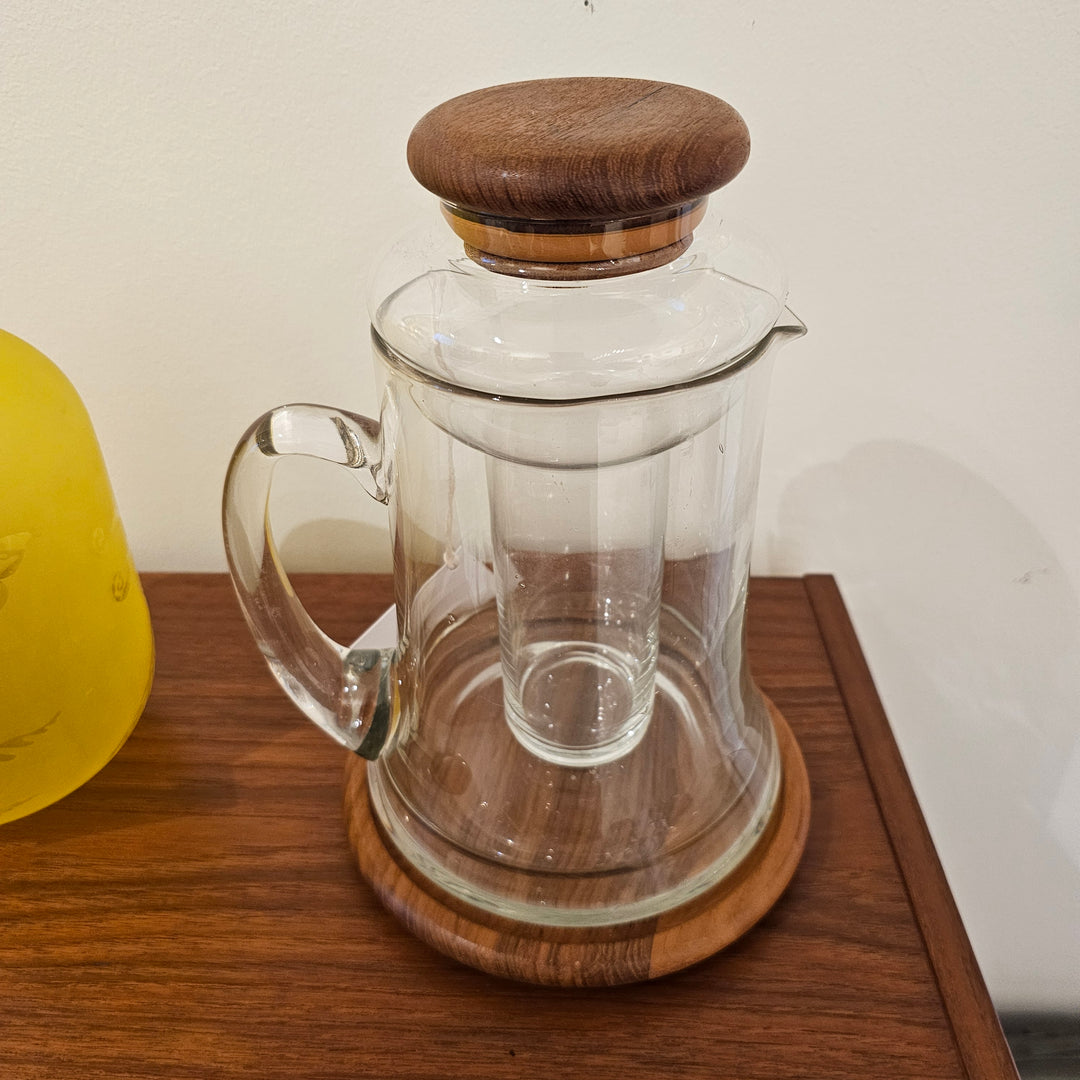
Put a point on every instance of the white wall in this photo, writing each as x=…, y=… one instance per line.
x=190, y=200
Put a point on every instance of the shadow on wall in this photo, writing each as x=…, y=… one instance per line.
x=971, y=626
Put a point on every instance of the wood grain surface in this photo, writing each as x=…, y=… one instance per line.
x=195, y=911
x=590, y=956
x=975, y=1023
x=578, y=149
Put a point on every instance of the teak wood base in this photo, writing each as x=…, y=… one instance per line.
x=593, y=956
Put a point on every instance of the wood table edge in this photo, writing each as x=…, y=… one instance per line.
x=976, y=1028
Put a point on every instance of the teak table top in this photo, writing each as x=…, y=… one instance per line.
x=194, y=911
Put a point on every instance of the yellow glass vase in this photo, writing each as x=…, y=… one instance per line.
x=76, y=648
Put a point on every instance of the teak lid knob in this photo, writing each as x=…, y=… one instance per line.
x=568, y=177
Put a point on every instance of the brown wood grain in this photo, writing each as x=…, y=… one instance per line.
x=578, y=149
x=967, y=1002
x=590, y=956
x=194, y=911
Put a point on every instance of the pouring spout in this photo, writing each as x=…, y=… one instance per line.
x=789, y=325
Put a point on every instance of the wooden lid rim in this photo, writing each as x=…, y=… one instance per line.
x=613, y=241
x=571, y=225
x=579, y=271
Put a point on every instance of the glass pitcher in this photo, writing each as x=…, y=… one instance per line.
x=565, y=733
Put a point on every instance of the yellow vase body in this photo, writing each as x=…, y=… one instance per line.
x=76, y=647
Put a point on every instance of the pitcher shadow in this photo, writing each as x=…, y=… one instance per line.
x=970, y=623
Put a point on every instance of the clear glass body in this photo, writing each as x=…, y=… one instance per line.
x=567, y=732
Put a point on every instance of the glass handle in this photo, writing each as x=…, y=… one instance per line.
x=348, y=693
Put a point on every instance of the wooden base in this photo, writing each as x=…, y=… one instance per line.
x=591, y=956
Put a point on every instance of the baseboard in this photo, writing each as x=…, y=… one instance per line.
x=1046, y=1046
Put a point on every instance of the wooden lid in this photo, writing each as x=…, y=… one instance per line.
x=574, y=149
x=529, y=169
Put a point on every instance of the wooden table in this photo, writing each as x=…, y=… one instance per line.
x=194, y=910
